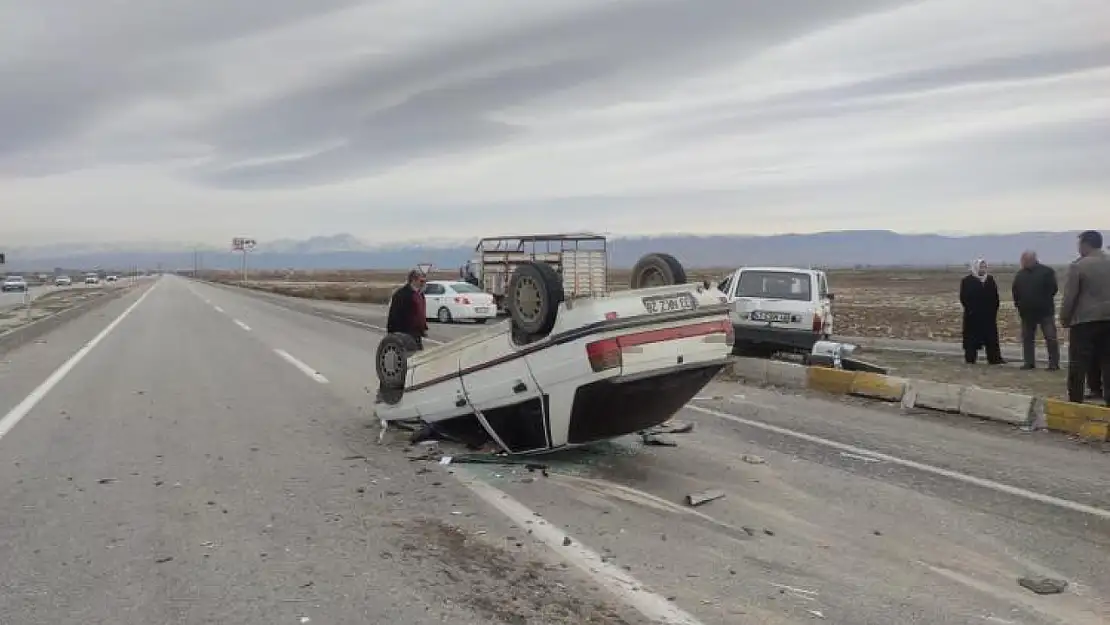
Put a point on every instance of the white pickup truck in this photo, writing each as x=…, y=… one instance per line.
x=778, y=309
x=563, y=372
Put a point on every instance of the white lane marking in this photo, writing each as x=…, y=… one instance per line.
x=218, y=309
x=378, y=328
x=1066, y=504
x=305, y=369
x=653, y=606
x=15, y=415
x=242, y=325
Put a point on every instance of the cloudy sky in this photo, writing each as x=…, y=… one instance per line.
x=195, y=120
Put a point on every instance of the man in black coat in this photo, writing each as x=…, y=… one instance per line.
x=1034, y=292
x=407, y=309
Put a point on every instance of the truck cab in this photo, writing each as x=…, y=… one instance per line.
x=778, y=309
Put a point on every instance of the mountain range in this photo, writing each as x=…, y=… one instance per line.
x=343, y=251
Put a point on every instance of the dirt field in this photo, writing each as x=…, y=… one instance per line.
x=896, y=303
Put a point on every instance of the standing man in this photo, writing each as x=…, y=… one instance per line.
x=407, y=310
x=1034, y=292
x=1085, y=311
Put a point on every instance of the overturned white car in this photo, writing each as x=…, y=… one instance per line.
x=561, y=372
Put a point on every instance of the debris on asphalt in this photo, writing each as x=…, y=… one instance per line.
x=750, y=459
x=164, y=560
x=106, y=480
x=672, y=427
x=655, y=440
x=697, y=499
x=816, y=613
x=567, y=541
x=1043, y=585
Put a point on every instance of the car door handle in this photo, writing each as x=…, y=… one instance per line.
x=520, y=387
x=460, y=402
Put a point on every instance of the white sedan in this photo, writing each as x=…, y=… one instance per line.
x=448, y=301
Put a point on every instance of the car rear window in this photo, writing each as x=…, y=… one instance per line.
x=465, y=287
x=775, y=285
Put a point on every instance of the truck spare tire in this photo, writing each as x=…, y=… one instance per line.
x=657, y=270
x=535, y=292
x=391, y=363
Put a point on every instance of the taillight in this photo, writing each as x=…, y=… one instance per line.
x=607, y=354
x=817, y=323
x=604, y=354
x=462, y=300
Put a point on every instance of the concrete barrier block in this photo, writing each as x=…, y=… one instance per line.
x=751, y=369
x=1071, y=418
x=786, y=374
x=878, y=386
x=826, y=380
x=985, y=403
x=934, y=395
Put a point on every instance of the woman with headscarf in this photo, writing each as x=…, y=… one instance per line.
x=979, y=297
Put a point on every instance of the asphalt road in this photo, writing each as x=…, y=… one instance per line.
x=211, y=459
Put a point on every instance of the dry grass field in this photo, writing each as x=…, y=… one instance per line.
x=899, y=303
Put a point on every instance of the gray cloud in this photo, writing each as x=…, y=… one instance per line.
x=431, y=122
x=91, y=60
x=589, y=115
x=596, y=49
x=866, y=96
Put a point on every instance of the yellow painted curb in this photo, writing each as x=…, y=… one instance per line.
x=1095, y=431
x=1065, y=416
x=878, y=386
x=835, y=381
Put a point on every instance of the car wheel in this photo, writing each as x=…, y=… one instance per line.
x=657, y=270
x=391, y=361
x=535, y=292
x=444, y=315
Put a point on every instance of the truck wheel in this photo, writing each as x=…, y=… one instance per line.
x=391, y=362
x=657, y=270
x=535, y=293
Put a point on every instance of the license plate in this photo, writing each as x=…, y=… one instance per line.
x=481, y=309
x=770, y=317
x=670, y=303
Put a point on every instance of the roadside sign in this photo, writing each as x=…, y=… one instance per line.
x=424, y=268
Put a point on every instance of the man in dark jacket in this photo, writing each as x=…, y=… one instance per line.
x=407, y=310
x=1034, y=292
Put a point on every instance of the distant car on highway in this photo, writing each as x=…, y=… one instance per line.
x=14, y=284
x=91, y=278
x=63, y=281
x=111, y=278
x=449, y=301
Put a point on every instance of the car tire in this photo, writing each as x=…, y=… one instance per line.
x=657, y=270
x=391, y=362
x=535, y=292
x=444, y=315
